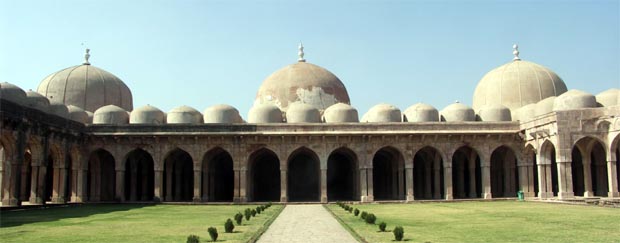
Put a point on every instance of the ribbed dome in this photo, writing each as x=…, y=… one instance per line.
x=221, y=113
x=111, y=114
x=302, y=82
x=37, y=101
x=265, y=113
x=78, y=114
x=610, y=97
x=302, y=113
x=184, y=114
x=574, y=99
x=525, y=113
x=87, y=87
x=340, y=112
x=494, y=113
x=59, y=109
x=516, y=84
x=458, y=112
x=544, y=106
x=382, y=113
x=12, y=93
x=421, y=112
x=147, y=115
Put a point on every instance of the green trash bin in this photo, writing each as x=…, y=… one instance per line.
x=520, y=195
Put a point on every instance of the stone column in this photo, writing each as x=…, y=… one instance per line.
x=197, y=184
x=565, y=180
x=243, y=185
x=283, y=184
x=206, y=185
x=120, y=185
x=177, y=177
x=436, y=183
x=370, y=187
x=363, y=185
x=401, y=184
x=169, y=178
x=40, y=185
x=542, y=181
x=447, y=182
x=158, y=186
x=486, y=181
x=409, y=184
x=427, y=182
x=460, y=181
x=587, y=176
x=472, y=178
x=612, y=178
x=55, y=184
x=324, y=185
x=81, y=186
x=62, y=186
x=11, y=190
x=144, y=184
x=34, y=181
x=133, y=183
x=24, y=190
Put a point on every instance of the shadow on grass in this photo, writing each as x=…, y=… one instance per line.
x=17, y=218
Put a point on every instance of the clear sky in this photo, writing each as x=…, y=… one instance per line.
x=200, y=53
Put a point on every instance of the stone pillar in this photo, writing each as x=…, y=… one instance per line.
x=120, y=186
x=206, y=185
x=59, y=193
x=447, y=182
x=145, y=187
x=55, y=184
x=34, y=181
x=460, y=181
x=81, y=186
x=24, y=191
x=612, y=178
x=243, y=185
x=472, y=178
x=38, y=186
x=283, y=184
x=133, y=183
x=565, y=180
x=177, y=177
x=197, y=184
x=427, y=182
x=169, y=178
x=11, y=190
x=486, y=181
x=324, y=185
x=363, y=185
x=401, y=182
x=409, y=184
x=370, y=187
x=436, y=183
x=587, y=176
x=158, y=186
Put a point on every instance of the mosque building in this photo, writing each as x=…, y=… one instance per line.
x=78, y=138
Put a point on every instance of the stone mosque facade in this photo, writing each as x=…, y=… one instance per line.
x=78, y=138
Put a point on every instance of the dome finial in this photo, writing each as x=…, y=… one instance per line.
x=301, y=52
x=86, y=57
x=515, y=52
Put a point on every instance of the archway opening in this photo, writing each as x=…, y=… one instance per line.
x=26, y=176
x=70, y=181
x=49, y=178
x=577, y=172
x=139, y=176
x=504, y=174
x=427, y=174
x=598, y=170
x=218, y=177
x=342, y=176
x=466, y=174
x=179, y=176
x=101, y=177
x=264, y=176
x=303, y=179
x=388, y=170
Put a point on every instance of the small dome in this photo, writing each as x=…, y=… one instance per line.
x=525, y=113
x=37, y=101
x=382, y=113
x=77, y=114
x=12, y=93
x=111, y=114
x=574, y=99
x=458, y=112
x=184, y=115
x=91, y=116
x=610, y=97
x=222, y=113
x=264, y=113
x=59, y=109
x=147, y=115
x=494, y=113
x=544, y=106
x=421, y=112
x=302, y=113
x=340, y=112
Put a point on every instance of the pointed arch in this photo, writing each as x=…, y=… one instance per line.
x=263, y=176
x=139, y=175
x=388, y=168
x=342, y=175
x=504, y=173
x=304, y=173
x=217, y=176
x=548, y=169
x=466, y=173
x=178, y=175
x=428, y=173
x=589, y=167
x=101, y=178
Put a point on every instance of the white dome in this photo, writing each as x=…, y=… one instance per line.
x=184, y=115
x=340, y=112
x=494, y=113
x=265, y=113
x=147, y=115
x=574, y=99
x=78, y=115
x=222, y=113
x=59, y=109
x=544, y=106
x=37, y=101
x=110, y=114
x=458, y=112
x=12, y=93
x=421, y=112
x=610, y=97
x=383, y=113
x=302, y=113
x=525, y=113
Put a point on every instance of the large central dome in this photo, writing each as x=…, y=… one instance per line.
x=302, y=82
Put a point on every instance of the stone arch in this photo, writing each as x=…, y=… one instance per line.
x=613, y=156
x=529, y=158
x=264, y=182
x=73, y=159
x=388, y=168
x=139, y=175
x=548, y=170
x=466, y=173
x=101, y=178
x=178, y=175
x=504, y=173
x=54, y=163
x=304, y=173
x=342, y=175
x=6, y=153
x=428, y=173
x=589, y=167
x=218, y=176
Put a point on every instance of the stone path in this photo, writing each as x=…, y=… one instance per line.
x=307, y=224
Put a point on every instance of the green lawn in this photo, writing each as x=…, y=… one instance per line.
x=128, y=223
x=499, y=221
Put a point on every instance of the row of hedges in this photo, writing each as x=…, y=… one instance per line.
x=228, y=225
x=370, y=218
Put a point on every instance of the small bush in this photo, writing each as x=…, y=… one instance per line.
x=213, y=233
x=193, y=239
x=253, y=213
x=258, y=210
x=229, y=226
x=238, y=218
x=399, y=232
x=364, y=214
x=382, y=226
x=248, y=214
x=356, y=212
x=350, y=210
x=371, y=218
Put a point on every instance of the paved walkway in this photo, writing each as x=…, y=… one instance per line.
x=307, y=224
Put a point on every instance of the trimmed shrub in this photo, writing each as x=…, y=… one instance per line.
x=248, y=214
x=364, y=214
x=213, y=233
x=382, y=226
x=399, y=232
x=238, y=218
x=193, y=239
x=253, y=213
x=258, y=210
x=371, y=218
x=229, y=226
x=356, y=212
x=350, y=209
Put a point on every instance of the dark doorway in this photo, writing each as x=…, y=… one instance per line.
x=218, y=177
x=504, y=175
x=179, y=176
x=466, y=174
x=101, y=176
x=427, y=174
x=342, y=176
x=303, y=179
x=264, y=176
x=139, y=176
x=388, y=175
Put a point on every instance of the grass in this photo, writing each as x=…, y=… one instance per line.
x=129, y=223
x=498, y=221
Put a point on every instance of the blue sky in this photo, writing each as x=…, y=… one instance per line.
x=201, y=53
